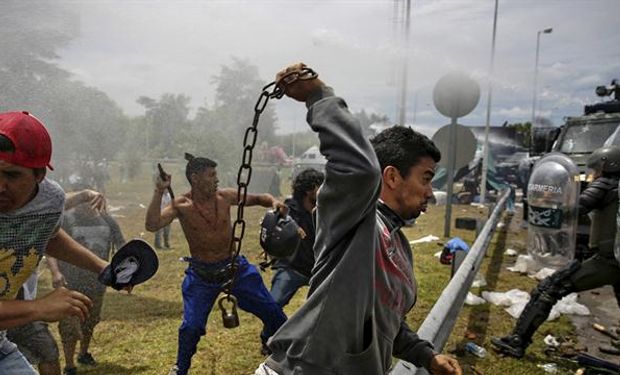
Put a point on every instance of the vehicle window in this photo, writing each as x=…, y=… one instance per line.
x=586, y=137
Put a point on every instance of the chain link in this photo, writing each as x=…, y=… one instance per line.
x=245, y=170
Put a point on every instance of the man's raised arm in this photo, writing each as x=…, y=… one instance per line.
x=156, y=218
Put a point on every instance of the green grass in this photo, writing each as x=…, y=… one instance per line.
x=138, y=332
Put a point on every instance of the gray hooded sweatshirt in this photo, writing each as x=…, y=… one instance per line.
x=362, y=283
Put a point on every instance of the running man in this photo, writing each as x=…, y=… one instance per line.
x=204, y=214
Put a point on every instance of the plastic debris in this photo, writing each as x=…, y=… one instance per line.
x=141, y=205
x=479, y=281
x=437, y=254
x=476, y=350
x=569, y=305
x=452, y=246
x=525, y=264
x=515, y=300
x=550, y=368
x=551, y=341
x=506, y=299
x=511, y=252
x=429, y=238
x=473, y=299
x=543, y=273
x=516, y=309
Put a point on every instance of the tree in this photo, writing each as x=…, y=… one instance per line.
x=238, y=89
x=524, y=130
x=167, y=122
x=83, y=121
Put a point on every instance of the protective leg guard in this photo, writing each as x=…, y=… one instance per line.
x=544, y=296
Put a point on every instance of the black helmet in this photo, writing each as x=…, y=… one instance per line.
x=279, y=235
x=605, y=159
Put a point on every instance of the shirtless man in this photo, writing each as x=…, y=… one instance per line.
x=204, y=214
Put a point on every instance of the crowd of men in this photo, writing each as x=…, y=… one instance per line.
x=352, y=253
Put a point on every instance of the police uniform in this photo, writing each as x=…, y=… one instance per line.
x=601, y=199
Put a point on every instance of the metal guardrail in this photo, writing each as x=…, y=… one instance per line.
x=438, y=324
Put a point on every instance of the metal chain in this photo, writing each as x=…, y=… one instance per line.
x=245, y=170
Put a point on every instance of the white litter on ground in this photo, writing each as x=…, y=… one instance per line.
x=551, y=341
x=543, y=273
x=569, y=305
x=525, y=264
x=506, y=299
x=516, y=309
x=473, y=299
x=511, y=252
x=515, y=300
x=115, y=208
x=141, y=205
x=500, y=225
x=438, y=254
x=429, y=238
x=479, y=281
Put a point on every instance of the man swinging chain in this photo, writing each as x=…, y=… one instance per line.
x=204, y=214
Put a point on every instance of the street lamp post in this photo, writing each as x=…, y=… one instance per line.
x=485, y=149
x=545, y=31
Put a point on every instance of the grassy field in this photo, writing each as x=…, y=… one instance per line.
x=138, y=332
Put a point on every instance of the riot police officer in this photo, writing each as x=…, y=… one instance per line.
x=600, y=198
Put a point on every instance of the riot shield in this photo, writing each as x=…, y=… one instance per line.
x=553, y=196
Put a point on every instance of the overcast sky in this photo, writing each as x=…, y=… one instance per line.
x=134, y=48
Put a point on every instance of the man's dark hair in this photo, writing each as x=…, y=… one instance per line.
x=402, y=148
x=197, y=165
x=6, y=145
x=306, y=181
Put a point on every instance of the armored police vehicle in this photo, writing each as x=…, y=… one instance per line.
x=579, y=137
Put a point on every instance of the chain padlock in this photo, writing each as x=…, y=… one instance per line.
x=230, y=319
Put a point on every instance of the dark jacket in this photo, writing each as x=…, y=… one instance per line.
x=302, y=260
x=362, y=283
x=601, y=198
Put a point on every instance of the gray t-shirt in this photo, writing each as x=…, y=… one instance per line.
x=98, y=233
x=24, y=234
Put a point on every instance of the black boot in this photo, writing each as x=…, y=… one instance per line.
x=512, y=345
x=533, y=315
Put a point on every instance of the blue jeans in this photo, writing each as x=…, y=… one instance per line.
x=165, y=231
x=285, y=283
x=12, y=361
x=200, y=296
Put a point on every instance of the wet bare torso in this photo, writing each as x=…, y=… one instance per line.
x=207, y=227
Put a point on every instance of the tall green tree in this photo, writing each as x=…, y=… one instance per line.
x=167, y=121
x=524, y=129
x=83, y=121
x=238, y=87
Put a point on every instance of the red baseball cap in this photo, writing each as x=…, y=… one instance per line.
x=33, y=145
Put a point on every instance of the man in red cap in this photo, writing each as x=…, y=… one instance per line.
x=30, y=210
